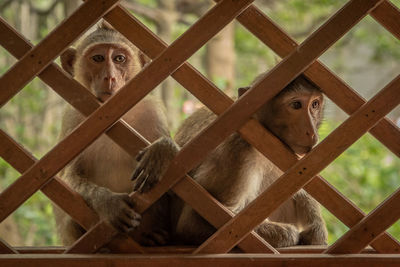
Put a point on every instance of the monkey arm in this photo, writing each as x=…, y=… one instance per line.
x=153, y=162
x=309, y=214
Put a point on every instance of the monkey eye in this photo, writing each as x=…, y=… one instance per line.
x=98, y=58
x=315, y=104
x=296, y=104
x=120, y=58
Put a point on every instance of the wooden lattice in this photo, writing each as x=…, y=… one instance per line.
x=170, y=60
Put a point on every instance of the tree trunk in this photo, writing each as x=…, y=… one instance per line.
x=221, y=58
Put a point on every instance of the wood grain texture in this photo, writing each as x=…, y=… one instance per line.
x=229, y=260
x=49, y=48
x=303, y=171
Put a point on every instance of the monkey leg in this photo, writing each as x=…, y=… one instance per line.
x=278, y=234
x=191, y=228
x=309, y=214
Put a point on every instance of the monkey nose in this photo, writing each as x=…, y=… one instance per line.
x=109, y=82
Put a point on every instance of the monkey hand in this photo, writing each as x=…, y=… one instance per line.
x=117, y=210
x=153, y=162
x=314, y=235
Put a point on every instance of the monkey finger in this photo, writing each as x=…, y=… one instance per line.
x=133, y=215
x=141, y=180
x=139, y=156
x=137, y=172
x=147, y=186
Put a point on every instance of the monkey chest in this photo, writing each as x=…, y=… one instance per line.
x=108, y=165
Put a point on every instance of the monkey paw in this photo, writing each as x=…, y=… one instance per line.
x=118, y=210
x=153, y=162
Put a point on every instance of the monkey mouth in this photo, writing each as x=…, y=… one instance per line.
x=300, y=149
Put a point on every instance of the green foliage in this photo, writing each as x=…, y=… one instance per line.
x=366, y=173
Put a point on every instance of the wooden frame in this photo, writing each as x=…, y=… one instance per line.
x=170, y=60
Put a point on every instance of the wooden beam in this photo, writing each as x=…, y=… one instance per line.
x=70, y=201
x=370, y=227
x=6, y=248
x=302, y=172
x=252, y=131
x=229, y=260
x=117, y=105
x=50, y=47
x=128, y=139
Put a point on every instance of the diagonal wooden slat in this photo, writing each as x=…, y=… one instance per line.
x=240, y=111
x=302, y=172
x=116, y=106
x=6, y=249
x=370, y=227
x=129, y=140
x=336, y=89
x=67, y=199
x=49, y=48
x=253, y=132
x=387, y=14
x=56, y=189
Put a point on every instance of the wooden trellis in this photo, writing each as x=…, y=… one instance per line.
x=170, y=60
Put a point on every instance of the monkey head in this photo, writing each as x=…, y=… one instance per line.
x=104, y=61
x=294, y=115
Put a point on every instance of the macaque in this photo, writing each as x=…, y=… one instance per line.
x=235, y=173
x=104, y=62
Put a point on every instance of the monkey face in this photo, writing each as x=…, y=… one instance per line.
x=104, y=68
x=294, y=117
x=108, y=67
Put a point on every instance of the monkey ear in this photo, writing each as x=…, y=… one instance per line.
x=243, y=90
x=68, y=59
x=144, y=60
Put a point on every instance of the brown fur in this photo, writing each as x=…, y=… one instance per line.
x=235, y=173
x=101, y=173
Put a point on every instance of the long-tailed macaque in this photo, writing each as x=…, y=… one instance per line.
x=104, y=62
x=235, y=173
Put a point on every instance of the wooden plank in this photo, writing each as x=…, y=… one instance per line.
x=116, y=106
x=253, y=132
x=67, y=199
x=335, y=88
x=313, y=249
x=369, y=228
x=195, y=151
x=388, y=15
x=6, y=248
x=49, y=48
x=129, y=140
x=303, y=171
x=229, y=260
x=195, y=82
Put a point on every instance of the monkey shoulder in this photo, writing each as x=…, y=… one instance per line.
x=195, y=123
